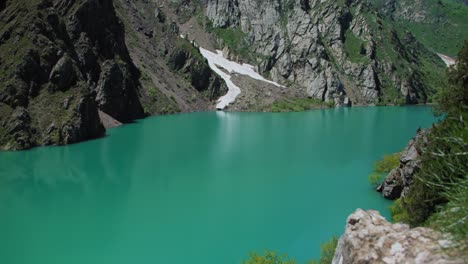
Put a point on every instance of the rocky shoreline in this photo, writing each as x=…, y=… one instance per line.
x=370, y=238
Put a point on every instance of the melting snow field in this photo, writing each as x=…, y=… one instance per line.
x=217, y=61
x=448, y=61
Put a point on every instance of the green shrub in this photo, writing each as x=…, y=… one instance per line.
x=327, y=251
x=452, y=217
x=388, y=163
x=444, y=168
x=298, y=105
x=383, y=167
x=438, y=196
x=397, y=212
x=375, y=178
x=269, y=258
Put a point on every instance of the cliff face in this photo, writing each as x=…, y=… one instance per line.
x=175, y=77
x=398, y=181
x=61, y=62
x=369, y=238
x=332, y=49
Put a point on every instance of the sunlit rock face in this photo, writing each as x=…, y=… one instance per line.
x=369, y=238
x=335, y=51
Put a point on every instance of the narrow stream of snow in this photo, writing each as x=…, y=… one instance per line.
x=448, y=60
x=217, y=61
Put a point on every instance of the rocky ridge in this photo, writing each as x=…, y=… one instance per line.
x=369, y=238
x=335, y=51
x=175, y=77
x=61, y=62
x=64, y=61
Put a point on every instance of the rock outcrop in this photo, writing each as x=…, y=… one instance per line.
x=62, y=61
x=335, y=51
x=175, y=77
x=369, y=238
x=398, y=181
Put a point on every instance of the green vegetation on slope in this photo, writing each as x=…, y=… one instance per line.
x=447, y=30
x=157, y=102
x=355, y=48
x=298, y=105
x=235, y=40
x=438, y=196
x=443, y=28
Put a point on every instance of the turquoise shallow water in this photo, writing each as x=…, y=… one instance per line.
x=198, y=188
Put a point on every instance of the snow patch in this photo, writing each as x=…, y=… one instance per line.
x=217, y=61
x=448, y=60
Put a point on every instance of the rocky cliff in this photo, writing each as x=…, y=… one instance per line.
x=63, y=61
x=398, y=181
x=369, y=238
x=175, y=77
x=335, y=50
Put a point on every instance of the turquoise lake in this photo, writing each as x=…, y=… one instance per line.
x=203, y=188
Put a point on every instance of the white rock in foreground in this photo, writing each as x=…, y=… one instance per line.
x=217, y=61
x=369, y=238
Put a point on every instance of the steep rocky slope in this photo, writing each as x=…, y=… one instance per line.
x=62, y=62
x=332, y=49
x=441, y=25
x=175, y=77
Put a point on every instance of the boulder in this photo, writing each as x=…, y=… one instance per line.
x=399, y=179
x=369, y=238
x=116, y=92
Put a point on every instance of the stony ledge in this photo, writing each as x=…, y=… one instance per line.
x=370, y=238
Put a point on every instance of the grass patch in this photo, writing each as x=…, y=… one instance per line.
x=188, y=47
x=156, y=102
x=234, y=39
x=327, y=251
x=269, y=257
x=299, y=105
x=383, y=167
x=355, y=48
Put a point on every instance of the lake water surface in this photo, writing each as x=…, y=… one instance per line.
x=202, y=188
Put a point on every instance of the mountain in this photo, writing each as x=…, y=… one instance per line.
x=333, y=50
x=71, y=69
x=64, y=64
x=441, y=25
